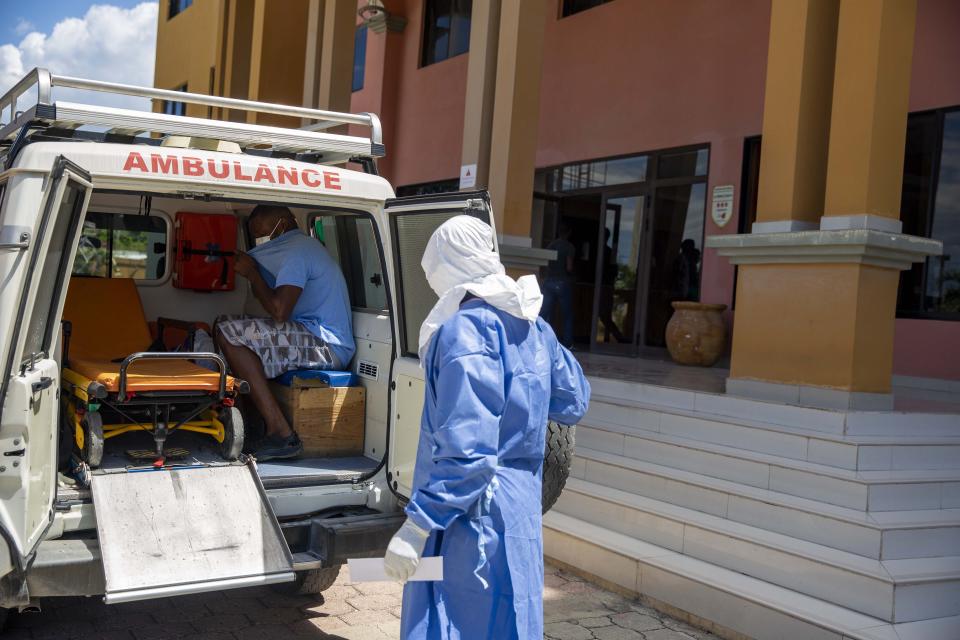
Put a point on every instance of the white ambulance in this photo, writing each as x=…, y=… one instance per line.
x=89, y=196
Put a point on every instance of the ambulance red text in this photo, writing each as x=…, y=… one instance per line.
x=230, y=170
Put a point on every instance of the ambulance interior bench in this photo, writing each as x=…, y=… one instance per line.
x=325, y=408
x=113, y=384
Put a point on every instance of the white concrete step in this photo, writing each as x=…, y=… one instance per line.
x=866, y=453
x=912, y=423
x=888, y=490
x=736, y=602
x=881, y=535
x=893, y=590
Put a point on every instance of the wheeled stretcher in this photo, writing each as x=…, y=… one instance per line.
x=113, y=384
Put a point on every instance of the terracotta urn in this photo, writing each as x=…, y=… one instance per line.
x=696, y=334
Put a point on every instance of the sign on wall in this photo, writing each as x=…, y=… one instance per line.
x=722, y=209
x=468, y=176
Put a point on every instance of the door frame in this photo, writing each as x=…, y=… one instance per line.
x=646, y=188
x=404, y=417
x=22, y=544
x=642, y=269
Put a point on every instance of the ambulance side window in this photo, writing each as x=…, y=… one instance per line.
x=122, y=246
x=352, y=242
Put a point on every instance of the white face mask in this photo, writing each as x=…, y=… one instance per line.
x=259, y=240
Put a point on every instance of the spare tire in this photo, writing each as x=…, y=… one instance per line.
x=556, y=461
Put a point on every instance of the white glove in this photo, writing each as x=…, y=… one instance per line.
x=404, y=551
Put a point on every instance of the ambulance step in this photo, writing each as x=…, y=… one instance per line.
x=186, y=530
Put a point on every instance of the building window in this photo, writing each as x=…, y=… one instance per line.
x=173, y=108
x=446, y=30
x=570, y=7
x=598, y=173
x=352, y=241
x=359, y=57
x=930, y=207
x=636, y=224
x=122, y=246
x=429, y=188
x=178, y=6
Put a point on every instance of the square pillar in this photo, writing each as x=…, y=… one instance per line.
x=816, y=294
x=516, y=114
x=796, y=114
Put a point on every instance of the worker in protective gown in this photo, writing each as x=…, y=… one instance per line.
x=495, y=373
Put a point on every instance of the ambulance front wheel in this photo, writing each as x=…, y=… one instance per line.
x=92, y=425
x=232, y=443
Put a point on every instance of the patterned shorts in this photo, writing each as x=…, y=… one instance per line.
x=281, y=346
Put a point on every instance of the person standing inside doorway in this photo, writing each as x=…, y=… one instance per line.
x=494, y=375
x=558, y=285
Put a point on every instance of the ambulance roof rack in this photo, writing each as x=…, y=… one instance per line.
x=311, y=140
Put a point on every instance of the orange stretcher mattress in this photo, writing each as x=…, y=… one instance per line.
x=151, y=375
x=109, y=324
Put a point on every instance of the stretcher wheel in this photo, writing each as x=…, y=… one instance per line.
x=92, y=439
x=556, y=462
x=232, y=443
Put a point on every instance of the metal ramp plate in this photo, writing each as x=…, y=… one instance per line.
x=179, y=531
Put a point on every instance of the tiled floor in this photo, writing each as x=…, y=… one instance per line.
x=573, y=610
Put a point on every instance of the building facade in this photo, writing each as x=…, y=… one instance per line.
x=636, y=124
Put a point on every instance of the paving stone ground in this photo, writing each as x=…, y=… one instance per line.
x=573, y=610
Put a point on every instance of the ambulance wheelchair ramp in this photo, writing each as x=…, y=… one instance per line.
x=186, y=530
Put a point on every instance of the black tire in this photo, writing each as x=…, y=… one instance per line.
x=232, y=444
x=557, y=457
x=93, y=439
x=310, y=583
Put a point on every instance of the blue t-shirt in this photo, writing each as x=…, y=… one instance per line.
x=298, y=260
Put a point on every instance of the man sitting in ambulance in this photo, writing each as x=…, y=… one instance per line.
x=310, y=325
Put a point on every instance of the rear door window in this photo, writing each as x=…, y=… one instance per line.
x=352, y=242
x=122, y=246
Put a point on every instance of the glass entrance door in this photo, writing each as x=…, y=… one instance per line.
x=676, y=241
x=618, y=275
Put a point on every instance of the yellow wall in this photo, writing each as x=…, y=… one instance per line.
x=828, y=325
x=187, y=49
x=278, y=56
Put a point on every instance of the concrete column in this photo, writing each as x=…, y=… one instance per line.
x=311, y=66
x=336, y=55
x=815, y=312
x=256, y=53
x=869, y=119
x=516, y=111
x=796, y=114
x=386, y=36
x=481, y=88
x=277, y=57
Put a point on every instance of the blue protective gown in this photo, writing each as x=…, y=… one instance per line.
x=492, y=381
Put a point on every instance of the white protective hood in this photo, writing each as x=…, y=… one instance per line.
x=460, y=259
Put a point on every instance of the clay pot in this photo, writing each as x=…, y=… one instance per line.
x=696, y=334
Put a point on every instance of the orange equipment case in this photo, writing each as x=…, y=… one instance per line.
x=206, y=245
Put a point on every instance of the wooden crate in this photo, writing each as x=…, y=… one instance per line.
x=329, y=420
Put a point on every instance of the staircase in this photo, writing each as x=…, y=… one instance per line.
x=767, y=520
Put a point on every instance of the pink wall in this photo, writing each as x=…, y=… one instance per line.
x=930, y=348
x=655, y=74
x=424, y=106
x=640, y=75
x=927, y=348
x=935, y=77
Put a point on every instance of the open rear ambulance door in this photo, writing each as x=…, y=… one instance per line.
x=412, y=221
x=30, y=381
